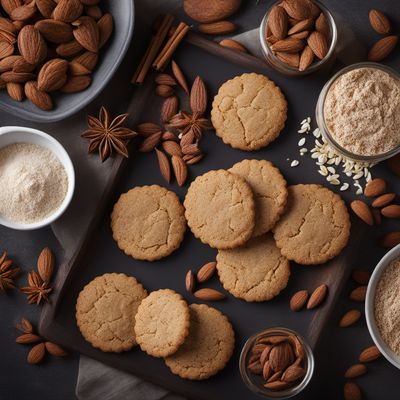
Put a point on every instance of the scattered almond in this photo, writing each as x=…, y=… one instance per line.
x=179, y=76
x=390, y=239
x=375, y=187
x=350, y=318
x=383, y=200
x=288, y=45
x=391, y=211
x=55, y=350
x=233, y=44
x=189, y=281
x=150, y=142
x=45, y=264
x=361, y=209
x=382, y=48
x=180, y=169
x=206, y=272
x=217, y=28
x=36, y=354
x=28, y=338
x=165, y=79
x=379, y=22
x=355, y=371
x=198, y=96
x=163, y=164
x=351, y=391
x=317, y=297
x=208, y=294
x=369, y=354
x=358, y=294
x=298, y=300
x=171, y=147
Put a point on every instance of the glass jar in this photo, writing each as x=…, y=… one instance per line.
x=320, y=116
x=255, y=382
x=286, y=69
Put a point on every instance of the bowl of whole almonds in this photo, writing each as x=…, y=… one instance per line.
x=55, y=57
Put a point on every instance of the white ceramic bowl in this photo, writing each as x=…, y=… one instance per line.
x=369, y=306
x=18, y=134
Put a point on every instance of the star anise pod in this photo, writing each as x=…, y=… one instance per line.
x=8, y=273
x=106, y=134
x=37, y=290
x=184, y=121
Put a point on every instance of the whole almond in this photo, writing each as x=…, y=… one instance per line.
x=150, y=142
x=24, y=12
x=36, y=354
x=303, y=25
x=277, y=385
x=165, y=79
x=21, y=65
x=321, y=25
x=390, y=239
x=362, y=210
x=46, y=7
x=359, y=293
x=206, y=272
x=37, y=97
x=379, y=22
x=350, y=318
x=297, y=9
x=172, y=148
x=383, y=200
x=306, y=58
x=255, y=367
x=288, y=45
x=300, y=35
x=106, y=27
x=391, y=211
x=369, y=354
x=53, y=75
x=16, y=77
x=77, y=69
x=45, y=264
x=293, y=373
x=32, y=45
x=382, y=48
x=147, y=128
x=233, y=44
x=55, y=350
x=163, y=164
x=217, y=28
x=179, y=76
x=351, y=391
x=318, y=44
x=68, y=10
x=15, y=91
x=198, y=96
x=278, y=22
x=28, y=338
x=281, y=356
x=375, y=187
x=6, y=49
x=10, y=5
x=209, y=294
x=292, y=59
x=169, y=108
x=87, y=59
x=317, y=297
x=76, y=84
x=7, y=25
x=355, y=371
x=275, y=377
x=55, y=31
x=266, y=369
x=25, y=326
x=164, y=90
x=86, y=33
x=190, y=160
x=180, y=169
x=298, y=300
x=69, y=49
x=189, y=281
x=169, y=136
x=360, y=276
x=265, y=354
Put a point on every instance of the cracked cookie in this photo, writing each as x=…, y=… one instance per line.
x=220, y=210
x=269, y=189
x=106, y=309
x=208, y=347
x=249, y=112
x=148, y=222
x=256, y=271
x=315, y=227
x=162, y=323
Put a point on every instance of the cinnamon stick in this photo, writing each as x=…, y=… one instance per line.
x=166, y=53
x=153, y=48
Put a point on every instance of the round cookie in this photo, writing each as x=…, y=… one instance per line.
x=220, y=209
x=256, y=271
x=208, y=347
x=162, y=323
x=269, y=189
x=249, y=111
x=148, y=222
x=315, y=227
x=106, y=309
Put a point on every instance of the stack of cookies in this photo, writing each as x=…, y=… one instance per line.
x=114, y=313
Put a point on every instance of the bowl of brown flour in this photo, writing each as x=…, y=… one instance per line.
x=37, y=178
x=382, y=306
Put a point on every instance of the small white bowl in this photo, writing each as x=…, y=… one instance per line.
x=392, y=357
x=18, y=134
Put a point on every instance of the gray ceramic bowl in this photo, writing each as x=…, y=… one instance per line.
x=110, y=58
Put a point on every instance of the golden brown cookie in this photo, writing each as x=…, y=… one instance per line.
x=249, y=112
x=269, y=189
x=315, y=227
x=106, y=309
x=220, y=210
x=162, y=323
x=148, y=222
x=208, y=347
x=256, y=271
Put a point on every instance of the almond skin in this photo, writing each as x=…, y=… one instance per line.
x=55, y=31
x=150, y=142
x=55, y=350
x=306, y=58
x=37, y=97
x=298, y=9
x=281, y=356
x=169, y=108
x=321, y=25
x=382, y=48
x=28, y=338
x=369, y=354
x=383, y=200
x=53, y=75
x=233, y=44
x=15, y=91
x=45, y=264
x=278, y=22
x=68, y=10
x=31, y=45
x=318, y=44
x=198, y=96
x=288, y=45
x=351, y=391
x=106, y=27
x=76, y=84
x=355, y=371
x=180, y=170
x=304, y=25
x=87, y=33
x=209, y=294
x=206, y=272
x=292, y=59
x=375, y=187
x=293, y=373
x=298, y=300
x=317, y=297
x=362, y=211
x=36, y=355
x=391, y=239
x=379, y=22
x=217, y=28
x=171, y=147
x=359, y=293
x=350, y=318
x=392, y=211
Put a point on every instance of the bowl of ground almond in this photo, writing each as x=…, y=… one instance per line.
x=358, y=112
x=37, y=178
x=382, y=306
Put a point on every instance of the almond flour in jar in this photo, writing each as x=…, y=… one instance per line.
x=362, y=111
x=387, y=306
x=33, y=183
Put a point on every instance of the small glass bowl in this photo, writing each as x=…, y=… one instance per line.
x=320, y=117
x=255, y=382
x=286, y=69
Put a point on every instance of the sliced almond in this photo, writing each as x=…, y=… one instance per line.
x=163, y=163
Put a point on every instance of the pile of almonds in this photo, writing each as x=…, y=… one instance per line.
x=298, y=32
x=48, y=45
x=279, y=359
